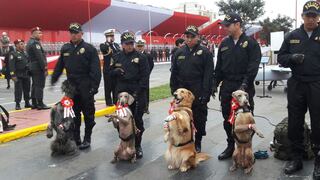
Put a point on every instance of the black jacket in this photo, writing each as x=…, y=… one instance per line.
x=136, y=71
x=36, y=55
x=150, y=60
x=192, y=68
x=238, y=62
x=108, y=49
x=81, y=62
x=19, y=64
x=298, y=42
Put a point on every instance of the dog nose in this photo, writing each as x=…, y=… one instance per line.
x=175, y=95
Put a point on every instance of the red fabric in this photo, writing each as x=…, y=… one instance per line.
x=66, y=102
x=171, y=107
x=119, y=106
x=234, y=107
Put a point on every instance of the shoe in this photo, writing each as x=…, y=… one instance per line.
x=18, y=106
x=227, y=153
x=34, y=103
x=147, y=111
x=293, y=166
x=139, y=152
x=27, y=104
x=8, y=87
x=85, y=144
x=316, y=171
x=41, y=105
x=197, y=145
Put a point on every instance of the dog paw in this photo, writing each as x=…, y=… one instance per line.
x=49, y=135
x=113, y=161
x=170, y=118
x=248, y=170
x=233, y=168
x=260, y=134
x=183, y=169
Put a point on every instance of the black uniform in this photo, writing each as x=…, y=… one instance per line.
x=237, y=65
x=83, y=71
x=151, y=65
x=134, y=81
x=303, y=86
x=5, y=51
x=193, y=69
x=108, y=49
x=38, y=69
x=19, y=67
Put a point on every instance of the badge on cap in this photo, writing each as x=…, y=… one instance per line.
x=312, y=4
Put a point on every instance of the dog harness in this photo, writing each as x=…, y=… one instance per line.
x=121, y=111
x=236, y=109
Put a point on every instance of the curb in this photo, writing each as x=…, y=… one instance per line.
x=42, y=127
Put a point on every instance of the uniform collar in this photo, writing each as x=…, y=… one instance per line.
x=313, y=32
x=195, y=47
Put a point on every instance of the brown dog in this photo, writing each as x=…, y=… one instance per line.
x=123, y=121
x=243, y=130
x=178, y=130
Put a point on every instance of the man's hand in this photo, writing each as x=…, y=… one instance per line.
x=119, y=71
x=297, y=58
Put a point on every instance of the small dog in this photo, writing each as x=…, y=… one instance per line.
x=243, y=130
x=181, y=153
x=63, y=143
x=124, y=122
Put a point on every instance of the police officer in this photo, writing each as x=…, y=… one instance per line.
x=82, y=65
x=179, y=43
x=140, y=45
x=38, y=68
x=19, y=67
x=237, y=65
x=131, y=70
x=192, y=69
x=108, y=49
x=5, y=50
x=300, y=52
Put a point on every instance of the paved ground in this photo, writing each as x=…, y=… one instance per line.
x=29, y=158
x=159, y=76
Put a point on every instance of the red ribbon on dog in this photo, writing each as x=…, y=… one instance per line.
x=120, y=110
x=234, y=106
x=67, y=104
x=171, y=107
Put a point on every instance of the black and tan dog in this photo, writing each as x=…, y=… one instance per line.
x=244, y=128
x=124, y=122
x=63, y=143
x=179, y=130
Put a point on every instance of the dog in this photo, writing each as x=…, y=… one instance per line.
x=244, y=128
x=178, y=129
x=124, y=122
x=63, y=143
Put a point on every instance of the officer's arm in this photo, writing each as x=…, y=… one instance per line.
x=254, y=62
x=284, y=55
x=174, y=74
x=12, y=65
x=144, y=72
x=58, y=69
x=217, y=72
x=105, y=50
x=95, y=70
x=39, y=56
x=208, y=74
x=151, y=63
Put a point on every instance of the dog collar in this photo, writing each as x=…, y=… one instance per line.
x=183, y=144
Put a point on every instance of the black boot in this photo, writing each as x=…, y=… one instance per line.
x=316, y=171
x=139, y=152
x=197, y=143
x=27, y=104
x=76, y=136
x=34, y=103
x=41, y=105
x=227, y=153
x=293, y=166
x=18, y=106
x=87, y=139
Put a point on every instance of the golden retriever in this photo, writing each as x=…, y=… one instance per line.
x=243, y=129
x=181, y=153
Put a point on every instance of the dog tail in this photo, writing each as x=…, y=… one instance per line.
x=202, y=157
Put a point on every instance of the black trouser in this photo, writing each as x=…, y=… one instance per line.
x=109, y=89
x=38, y=83
x=84, y=102
x=22, y=85
x=147, y=95
x=137, y=107
x=226, y=90
x=302, y=96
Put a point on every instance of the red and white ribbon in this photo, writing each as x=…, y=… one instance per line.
x=234, y=107
x=121, y=110
x=67, y=104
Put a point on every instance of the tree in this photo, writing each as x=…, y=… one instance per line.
x=281, y=23
x=249, y=10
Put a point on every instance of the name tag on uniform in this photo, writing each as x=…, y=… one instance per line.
x=118, y=65
x=294, y=41
x=181, y=57
x=224, y=48
x=19, y=57
x=66, y=54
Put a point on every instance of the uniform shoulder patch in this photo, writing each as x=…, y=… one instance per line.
x=294, y=41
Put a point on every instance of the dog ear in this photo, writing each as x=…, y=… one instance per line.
x=130, y=99
x=191, y=95
x=234, y=94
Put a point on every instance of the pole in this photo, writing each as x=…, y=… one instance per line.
x=150, y=39
x=296, y=23
x=89, y=16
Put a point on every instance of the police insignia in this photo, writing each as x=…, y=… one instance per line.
x=294, y=41
x=82, y=50
x=245, y=44
x=181, y=57
x=66, y=54
x=118, y=65
x=199, y=52
x=224, y=48
x=38, y=46
x=11, y=56
x=135, y=60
